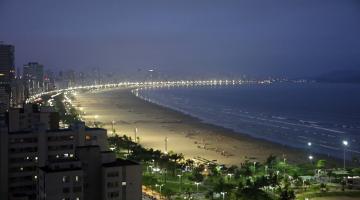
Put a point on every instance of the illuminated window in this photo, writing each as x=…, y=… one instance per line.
x=87, y=137
x=123, y=183
x=76, y=178
x=65, y=179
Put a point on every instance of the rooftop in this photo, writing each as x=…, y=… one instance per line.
x=120, y=162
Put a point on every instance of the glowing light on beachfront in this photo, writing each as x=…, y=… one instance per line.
x=345, y=143
x=311, y=157
x=197, y=186
x=166, y=144
x=223, y=194
x=179, y=175
x=309, y=144
x=157, y=185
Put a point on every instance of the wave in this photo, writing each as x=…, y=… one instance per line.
x=275, y=128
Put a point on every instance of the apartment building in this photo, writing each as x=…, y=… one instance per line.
x=30, y=115
x=42, y=162
x=7, y=74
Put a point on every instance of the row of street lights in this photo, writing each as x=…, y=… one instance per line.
x=345, y=143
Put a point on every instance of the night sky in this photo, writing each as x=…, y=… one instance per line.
x=268, y=37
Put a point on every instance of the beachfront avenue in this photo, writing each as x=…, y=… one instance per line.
x=152, y=84
x=171, y=175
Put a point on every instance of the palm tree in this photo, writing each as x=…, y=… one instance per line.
x=252, y=189
x=287, y=194
x=168, y=193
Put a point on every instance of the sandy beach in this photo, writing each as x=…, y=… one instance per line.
x=185, y=134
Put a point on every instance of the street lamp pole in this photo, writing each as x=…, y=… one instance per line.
x=179, y=175
x=95, y=118
x=197, y=186
x=166, y=144
x=160, y=186
x=311, y=158
x=223, y=194
x=112, y=126
x=230, y=175
x=345, y=143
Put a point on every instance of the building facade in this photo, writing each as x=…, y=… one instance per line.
x=33, y=75
x=7, y=74
x=44, y=162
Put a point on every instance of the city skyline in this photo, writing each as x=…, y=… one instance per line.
x=237, y=37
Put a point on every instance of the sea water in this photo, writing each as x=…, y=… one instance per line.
x=290, y=114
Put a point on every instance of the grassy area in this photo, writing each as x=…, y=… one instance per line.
x=330, y=195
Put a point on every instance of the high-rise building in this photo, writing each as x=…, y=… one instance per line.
x=17, y=93
x=33, y=75
x=49, y=81
x=7, y=74
x=41, y=162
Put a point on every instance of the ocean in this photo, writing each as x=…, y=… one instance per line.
x=291, y=114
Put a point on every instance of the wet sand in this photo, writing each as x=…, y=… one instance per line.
x=185, y=134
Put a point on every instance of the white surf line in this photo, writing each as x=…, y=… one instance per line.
x=302, y=125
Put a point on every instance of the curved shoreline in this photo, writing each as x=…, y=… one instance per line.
x=155, y=122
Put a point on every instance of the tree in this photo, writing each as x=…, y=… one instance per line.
x=221, y=186
x=252, y=189
x=168, y=192
x=287, y=194
x=321, y=164
x=355, y=172
x=330, y=174
x=271, y=161
x=196, y=175
x=245, y=169
x=188, y=193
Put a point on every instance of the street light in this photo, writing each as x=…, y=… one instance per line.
x=135, y=134
x=197, y=186
x=266, y=168
x=179, y=175
x=311, y=158
x=95, y=119
x=166, y=144
x=345, y=143
x=223, y=194
x=309, y=144
x=156, y=185
x=230, y=175
x=112, y=126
